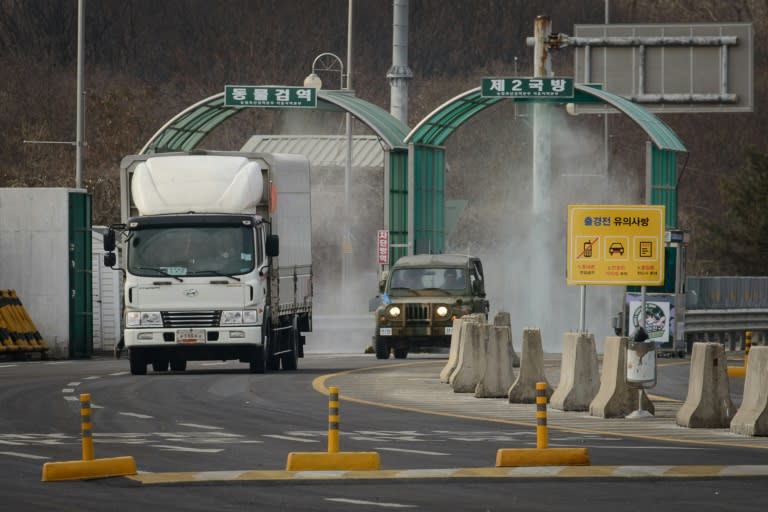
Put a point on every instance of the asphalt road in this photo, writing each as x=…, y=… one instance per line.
x=217, y=421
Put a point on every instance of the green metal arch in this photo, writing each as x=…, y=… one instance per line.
x=445, y=119
x=187, y=128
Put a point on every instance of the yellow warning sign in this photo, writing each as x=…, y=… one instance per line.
x=615, y=244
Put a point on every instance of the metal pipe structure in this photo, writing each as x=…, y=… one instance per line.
x=80, y=94
x=399, y=74
x=347, y=239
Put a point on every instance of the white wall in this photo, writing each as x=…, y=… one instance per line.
x=34, y=255
x=106, y=298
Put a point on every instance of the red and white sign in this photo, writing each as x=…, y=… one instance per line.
x=382, y=246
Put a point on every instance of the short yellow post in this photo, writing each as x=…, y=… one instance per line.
x=333, y=419
x=541, y=415
x=747, y=346
x=86, y=426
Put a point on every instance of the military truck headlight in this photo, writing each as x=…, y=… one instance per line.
x=394, y=311
x=442, y=311
x=143, y=319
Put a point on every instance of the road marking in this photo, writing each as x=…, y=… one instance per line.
x=185, y=449
x=8, y=365
x=373, y=503
x=217, y=363
x=118, y=374
x=67, y=390
x=195, y=425
x=71, y=398
x=92, y=377
x=136, y=415
x=419, y=452
x=74, y=384
x=24, y=455
x=289, y=438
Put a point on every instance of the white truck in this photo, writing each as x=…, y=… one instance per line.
x=216, y=250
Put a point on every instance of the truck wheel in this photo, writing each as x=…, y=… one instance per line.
x=401, y=353
x=382, y=349
x=256, y=364
x=290, y=360
x=137, y=361
x=160, y=365
x=178, y=364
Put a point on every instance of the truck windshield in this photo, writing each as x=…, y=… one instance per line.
x=191, y=250
x=415, y=279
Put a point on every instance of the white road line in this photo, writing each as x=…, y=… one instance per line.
x=92, y=377
x=419, y=452
x=74, y=384
x=373, y=503
x=8, y=365
x=13, y=443
x=136, y=415
x=185, y=449
x=217, y=363
x=24, y=455
x=289, y=438
x=195, y=425
x=118, y=374
x=67, y=390
x=71, y=398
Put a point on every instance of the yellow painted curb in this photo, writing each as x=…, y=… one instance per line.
x=516, y=457
x=87, y=469
x=321, y=461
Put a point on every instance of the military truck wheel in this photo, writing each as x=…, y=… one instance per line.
x=137, y=362
x=401, y=353
x=382, y=349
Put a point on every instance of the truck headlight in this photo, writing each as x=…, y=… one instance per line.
x=394, y=311
x=143, y=319
x=442, y=311
x=239, y=317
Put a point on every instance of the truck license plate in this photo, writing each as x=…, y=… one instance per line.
x=190, y=336
x=449, y=330
x=385, y=331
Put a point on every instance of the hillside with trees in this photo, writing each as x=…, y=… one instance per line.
x=147, y=60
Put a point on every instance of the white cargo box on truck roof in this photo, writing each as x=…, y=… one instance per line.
x=186, y=184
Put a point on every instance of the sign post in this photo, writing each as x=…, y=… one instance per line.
x=382, y=246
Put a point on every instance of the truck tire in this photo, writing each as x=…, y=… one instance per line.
x=137, y=362
x=256, y=363
x=160, y=365
x=178, y=364
x=290, y=360
x=401, y=353
x=382, y=349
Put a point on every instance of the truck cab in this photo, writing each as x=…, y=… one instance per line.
x=421, y=296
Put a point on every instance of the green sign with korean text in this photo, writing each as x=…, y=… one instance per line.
x=277, y=96
x=533, y=87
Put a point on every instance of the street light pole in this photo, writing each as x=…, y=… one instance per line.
x=80, y=92
x=347, y=247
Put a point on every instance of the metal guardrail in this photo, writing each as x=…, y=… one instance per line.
x=725, y=320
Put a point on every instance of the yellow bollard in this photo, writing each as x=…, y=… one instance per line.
x=333, y=419
x=88, y=467
x=542, y=436
x=86, y=427
x=333, y=459
x=542, y=455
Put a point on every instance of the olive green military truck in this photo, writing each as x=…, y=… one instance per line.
x=421, y=296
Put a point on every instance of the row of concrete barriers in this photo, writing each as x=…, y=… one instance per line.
x=482, y=358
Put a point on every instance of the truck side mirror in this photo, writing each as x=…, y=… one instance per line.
x=109, y=241
x=110, y=259
x=273, y=246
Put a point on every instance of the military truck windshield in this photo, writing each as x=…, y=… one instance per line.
x=191, y=250
x=415, y=279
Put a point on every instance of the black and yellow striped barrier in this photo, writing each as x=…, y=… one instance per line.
x=18, y=334
x=333, y=459
x=542, y=455
x=88, y=468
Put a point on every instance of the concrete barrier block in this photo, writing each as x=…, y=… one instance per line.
x=503, y=318
x=453, y=353
x=523, y=390
x=708, y=403
x=616, y=398
x=579, y=373
x=497, y=375
x=464, y=379
x=752, y=417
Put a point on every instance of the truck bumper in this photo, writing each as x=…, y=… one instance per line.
x=193, y=336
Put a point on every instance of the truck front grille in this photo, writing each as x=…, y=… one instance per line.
x=173, y=319
x=417, y=312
